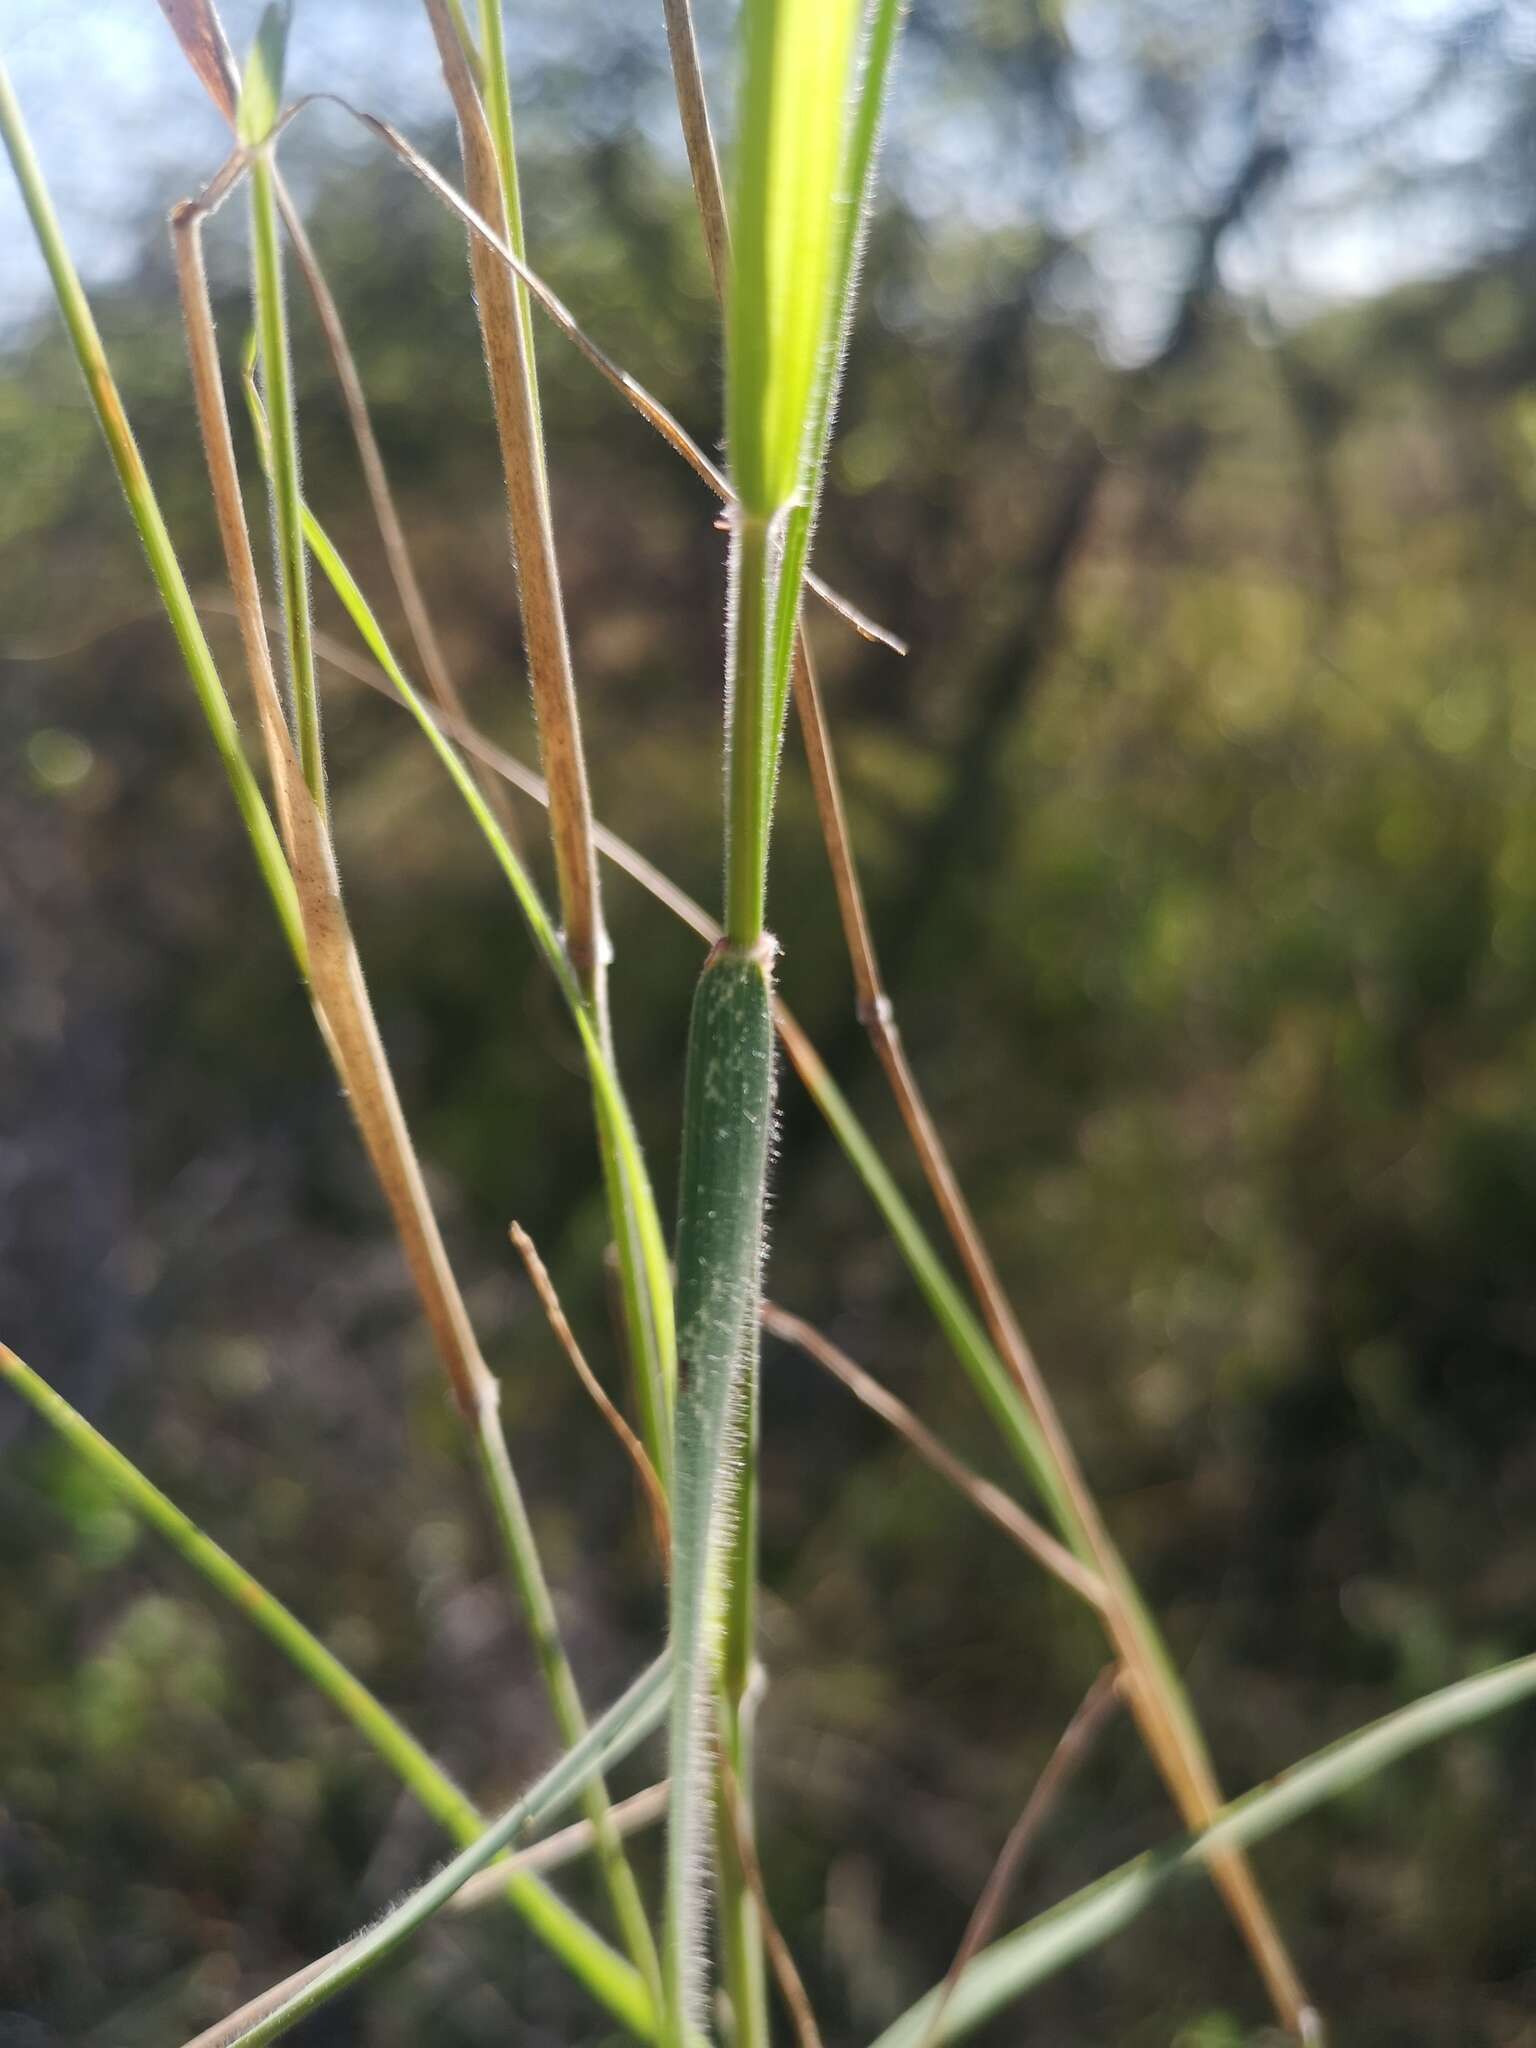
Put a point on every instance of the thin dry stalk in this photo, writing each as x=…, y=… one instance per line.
x=699, y=140
x=640, y=1810
x=533, y=543
x=434, y=663
x=791, y=1984
x=650, y=1484
x=1068, y=1757
x=347, y=1022
x=1174, y=1743
x=988, y=1499
x=335, y=973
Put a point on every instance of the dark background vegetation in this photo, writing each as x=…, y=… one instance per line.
x=1200, y=838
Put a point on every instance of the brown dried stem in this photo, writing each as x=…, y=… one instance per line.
x=989, y=1500
x=650, y=1484
x=1066, y=1759
x=533, y=544
x=791, y=1984
x=347, y=1023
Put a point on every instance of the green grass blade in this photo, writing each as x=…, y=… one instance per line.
x=727, y=1122
x=797, y=63
x=603, y=1973
x=626, y=1724
x=283, y=471
x=147, y=517
x=857, y=184
x=804, y=175
x=496, y=90
x=261, y=89
x=1048, y=1943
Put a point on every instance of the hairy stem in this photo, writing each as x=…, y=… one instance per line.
x=726, y=1127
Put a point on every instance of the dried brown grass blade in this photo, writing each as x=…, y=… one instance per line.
x=780, y=1958
x=699, y=140
x=538, y=576
x=1066, y=1759
x=397, y=553
x=196, y=26
x=579, y=1839
x=650, y=1484
x=335, y=974
x=1173, y=1742
x=989, y=1500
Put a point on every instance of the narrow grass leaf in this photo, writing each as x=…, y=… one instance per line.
x=604, y=1974
x=856, y=194
x=1090, y=1917
x=613, y=1111
x=261, y=89
x=796, y=71
x=144, y=507
x=611, y=1738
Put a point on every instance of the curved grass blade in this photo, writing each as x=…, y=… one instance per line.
x=347, y=1021
x=606, y=1975
x=1048, y=1943
x=611, y=1738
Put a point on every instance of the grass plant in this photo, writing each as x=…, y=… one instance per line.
x=783, y=237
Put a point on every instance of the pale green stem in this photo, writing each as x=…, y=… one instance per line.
x=560, y=1682
x=751, y=742
x=145, y=509
x=496, y=86
x=287, y=493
